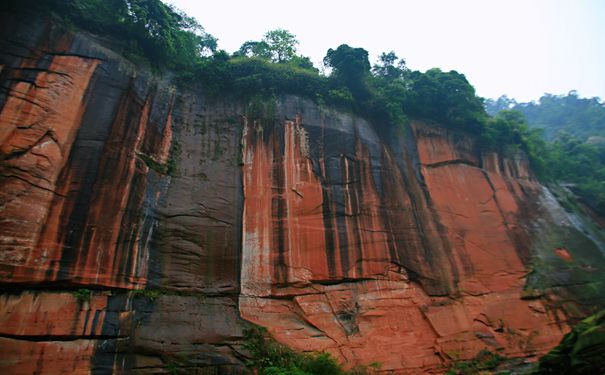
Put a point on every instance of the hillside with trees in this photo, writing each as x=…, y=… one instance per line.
x=573, y=150
x=583, y=118
x=388, y=92
x=327, y=231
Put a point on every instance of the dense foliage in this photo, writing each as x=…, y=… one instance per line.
x=388, y=92
x=447, y=98
x=582, y=351
x=583, y=118
x=277, y=45
x=581, y=166
x=167, y=38
x=164, y=35
x=269, y=357
x=574, y=150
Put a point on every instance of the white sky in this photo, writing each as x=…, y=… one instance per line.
x=521, y=48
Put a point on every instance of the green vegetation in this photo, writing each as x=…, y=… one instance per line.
x=574, y=152
x=583, y=118
x=162, y=34
x=388, y=93
x=173, y=157
x=582, y=351
x=150, y=294
x=485, y=360
x=278, y=45
x=581, y=166
x=269, y=357
x=172, y=369
x=508, y=132
x=169, y=39
x=82, y=295
x=169, y=167
x=152, y=164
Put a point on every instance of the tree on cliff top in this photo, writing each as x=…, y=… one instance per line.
x=282, y=44
x=580, y=117
x=390, y=67
x=351, y=67
x=166, y=36
x=277, y=45
x=349, y=64
x=446, y=97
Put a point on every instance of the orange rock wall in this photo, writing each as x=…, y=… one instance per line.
x=378, y=309
x=353, y=320
x=112, y=181
x=78, y=225
x=143, y=225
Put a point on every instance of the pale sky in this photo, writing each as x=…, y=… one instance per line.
x=521, y=48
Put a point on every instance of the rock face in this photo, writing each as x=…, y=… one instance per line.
x=400, y=245
x=406, y=252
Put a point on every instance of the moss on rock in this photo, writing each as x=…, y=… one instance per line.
x=582, y=351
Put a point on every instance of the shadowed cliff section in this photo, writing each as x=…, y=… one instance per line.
x=113, y=180
x=141, y=220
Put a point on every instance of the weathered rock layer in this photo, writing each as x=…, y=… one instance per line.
x=406, y=246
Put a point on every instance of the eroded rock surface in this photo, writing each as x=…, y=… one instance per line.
x=113, y=181
x=142, y=224
x=405, y=259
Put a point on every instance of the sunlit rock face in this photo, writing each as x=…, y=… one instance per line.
x=401, y=245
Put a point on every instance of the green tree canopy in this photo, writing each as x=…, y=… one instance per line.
x=581, y=117
x=166, y=36
x=446, y=97
x=350, y=64
x=350, y=67
x=254, y=49
x=277, y=45
x=282, y=45
x=390, y=67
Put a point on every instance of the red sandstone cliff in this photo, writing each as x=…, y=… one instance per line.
x=403, y=246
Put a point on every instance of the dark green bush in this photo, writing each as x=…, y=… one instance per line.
x=82, y=295
x=485, y=360
x=272, y=358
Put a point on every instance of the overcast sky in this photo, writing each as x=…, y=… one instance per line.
x=521, y=48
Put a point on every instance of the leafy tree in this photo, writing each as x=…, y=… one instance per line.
x=282, y=45
x=350, y=64
x=254, y=49
x=504, y=130
x=556, y=137
x=390, y=66
x=494, y=106
x=161, y=33
x=509, y=132
x=304, y=63
x=277, y=45
x=446, y=97
x=582, y=117
x=351, y=67
x=581, y=166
